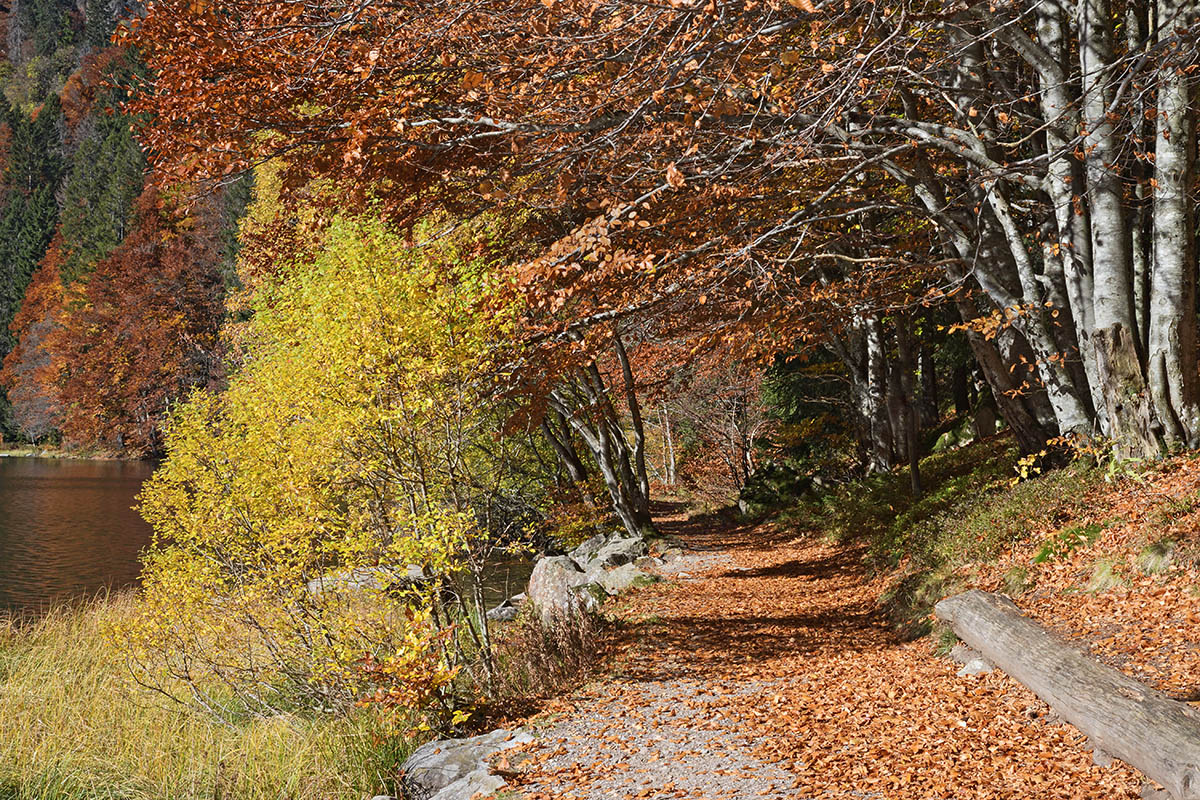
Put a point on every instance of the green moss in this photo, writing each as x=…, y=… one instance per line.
x=1066, y=541
x=1107, y=574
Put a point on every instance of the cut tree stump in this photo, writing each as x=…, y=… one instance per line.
x=1127, y=719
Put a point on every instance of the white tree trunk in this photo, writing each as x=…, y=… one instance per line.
x=1172, y=340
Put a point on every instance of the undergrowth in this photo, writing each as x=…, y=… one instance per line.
x=972, y=510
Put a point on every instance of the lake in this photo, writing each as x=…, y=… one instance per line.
x=67, y=529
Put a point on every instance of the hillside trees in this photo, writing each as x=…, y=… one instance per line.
x=30, y=212
x=140, y=331
x=27, y=378
x=101, y=348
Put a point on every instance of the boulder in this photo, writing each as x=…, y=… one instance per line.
x=553, y=587
x=368, y=579
x=505, y=612
x=584, y=553
x=976, y=666
x=648, y=562
x=457, y=769
x=618, y=579
x=617, y=552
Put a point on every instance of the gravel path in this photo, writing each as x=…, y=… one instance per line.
x=651, y=731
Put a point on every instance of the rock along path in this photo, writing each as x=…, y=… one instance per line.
x=763, y=668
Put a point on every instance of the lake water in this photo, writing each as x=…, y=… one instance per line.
x=67, y=529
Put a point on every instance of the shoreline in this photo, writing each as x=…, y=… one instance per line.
x=63, y=455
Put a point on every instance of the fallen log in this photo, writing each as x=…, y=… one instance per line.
x=1124, y=718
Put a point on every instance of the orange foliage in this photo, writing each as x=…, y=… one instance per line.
x=79, y=92
x=27, y=375
x=141, y=332
x=776, y=675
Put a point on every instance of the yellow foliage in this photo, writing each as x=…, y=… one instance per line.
x=352, y=443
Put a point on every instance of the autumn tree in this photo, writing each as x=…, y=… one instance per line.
x=141, y=331
x=357, y=437
x=27, y=377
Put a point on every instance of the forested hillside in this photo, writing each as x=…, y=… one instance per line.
x=111, y=296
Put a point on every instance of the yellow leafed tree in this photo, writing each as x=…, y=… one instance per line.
x=311, y=519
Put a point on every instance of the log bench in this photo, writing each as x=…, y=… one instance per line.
x=1124, y=718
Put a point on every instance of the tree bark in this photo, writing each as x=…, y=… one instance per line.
x=1124, y=718
x=564, y=450
x=1115, y=345
x=911, y=419
x=879, y=454
x=1133, y=424
x=668, y=448
x=1172, y=352
x=958, y=382
x=930, y=412
x=594, y=422
x=635, y=415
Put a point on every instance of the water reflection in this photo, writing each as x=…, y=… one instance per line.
x=67, y=529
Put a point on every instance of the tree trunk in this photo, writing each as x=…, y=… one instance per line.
x=635, y=415
x=1132, y=421
x=596, y=426
x=1124, y=718
x=668, y=448
x=1114, y=345
x=879, y=453
x=1069, y=411
x=1171, y=366
x=930, y=413
x=564, y=450
x=912, y=424
x=958, y=383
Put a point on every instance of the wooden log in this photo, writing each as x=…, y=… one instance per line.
x=1127, y=719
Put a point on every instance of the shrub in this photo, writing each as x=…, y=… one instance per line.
x=355, y=440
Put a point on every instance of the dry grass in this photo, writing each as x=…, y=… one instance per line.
x=72, y=725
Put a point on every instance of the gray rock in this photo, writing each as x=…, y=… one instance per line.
x=505, y=612
x=976, y=666
x=584, y=553
x=552, y=587
x=479, y=783
x=367, y=579
x=617, y=552
x=648, y=562
x=455, y=769
x=963, y=654
x=618, y=579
